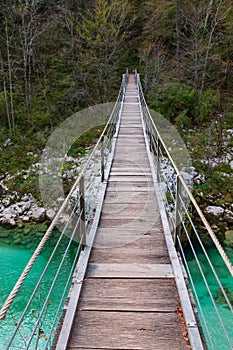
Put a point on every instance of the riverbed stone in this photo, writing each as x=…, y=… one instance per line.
x=7, y=221
x=214, y=213
x=37, y=214
x=228, y=216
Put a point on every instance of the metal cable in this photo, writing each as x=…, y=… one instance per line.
x=195, y=292
x=199, y=212
x=207, y=286
x=206, y=255
x=31, y=262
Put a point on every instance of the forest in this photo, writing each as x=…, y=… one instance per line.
x=58, y=57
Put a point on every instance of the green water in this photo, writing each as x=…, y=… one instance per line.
x=217, y=335
x=13, y=259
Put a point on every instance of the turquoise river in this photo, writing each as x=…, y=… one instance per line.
x=14, y=257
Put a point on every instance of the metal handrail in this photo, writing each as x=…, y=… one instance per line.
x=80, y=218
x=181, y=221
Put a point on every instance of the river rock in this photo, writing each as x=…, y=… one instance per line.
x=228, y=216
x=188, y=178
x=199, y=179
x=214, y=213
x=37, y=213
x=24, y=210
x=6, y=202
x=7, y=220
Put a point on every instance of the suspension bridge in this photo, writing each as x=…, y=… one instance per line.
x=130, y=285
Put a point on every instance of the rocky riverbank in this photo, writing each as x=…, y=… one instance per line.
x=17, y=209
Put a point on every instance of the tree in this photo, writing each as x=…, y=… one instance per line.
x=101, y=37
x=199, y=24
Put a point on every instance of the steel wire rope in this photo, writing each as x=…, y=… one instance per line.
x=206, y=255
x=64, y=292
x=207, y=286
x=31, y=262
x=54, y=281
x=39, y=281
x=195, y=292
x=201, y=215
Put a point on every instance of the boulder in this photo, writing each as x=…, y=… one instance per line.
x=7, y=220
x=214, y=213
x=188, y=178
x=37, y=213
x=199, y=179
x=228, y=216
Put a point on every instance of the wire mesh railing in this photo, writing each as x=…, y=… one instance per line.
x=34, y=319
x=196, y=242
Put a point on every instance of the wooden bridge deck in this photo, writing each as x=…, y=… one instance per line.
x=129, y=298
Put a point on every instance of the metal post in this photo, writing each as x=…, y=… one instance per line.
x=102, y=159
x=177, y=211
x=82, y=210
x=150, y=136
x=158, y=159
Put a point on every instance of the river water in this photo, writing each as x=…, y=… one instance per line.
x=14, y=257
x=217, y=338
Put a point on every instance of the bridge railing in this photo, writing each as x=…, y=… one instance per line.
x=192, y=235
x=34, y=321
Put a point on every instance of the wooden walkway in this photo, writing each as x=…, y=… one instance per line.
x=129, y=298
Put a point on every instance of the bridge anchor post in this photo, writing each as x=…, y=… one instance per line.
x=82, y=210
x=102, y=159
x=177, y=211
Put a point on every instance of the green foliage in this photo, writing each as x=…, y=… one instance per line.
x=175, y=101
x=209, y=105
x=224, y=168
x=182, y=120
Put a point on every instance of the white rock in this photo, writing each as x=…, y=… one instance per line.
x=7, y=143
x=214, y=213
x=37, y=213
x=228, y=216
x=7, y=221
x=6, y=202
x=211, y=209
x=199, y=179
x=50, y=213
x=188, y=178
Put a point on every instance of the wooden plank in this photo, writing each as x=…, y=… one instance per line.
x=131, y=270
x=119, y=161
x=133, y=184
x=129, y=173
x=129, y=210
x=132, y=295
x=129, y=188
x=153, y=237
x=130, y=222
x=114, y=254
x=131, y=170
x=133, y=215
x=131, y=178
x=127, y=330
x=129, y=197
